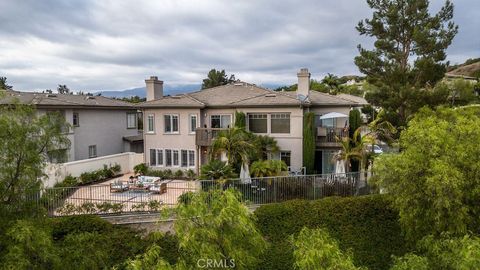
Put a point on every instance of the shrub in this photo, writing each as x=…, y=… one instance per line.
x=156, y=173
x=167, y=174
x=263, y=168
x=309, y=141
x=191, y=174
x=216, y=169
x=178, y=174
x=368, y=225
x=140, y=168
x=186, y=197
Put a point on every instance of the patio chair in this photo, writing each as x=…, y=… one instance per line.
x=158, y=188
x=118, y=186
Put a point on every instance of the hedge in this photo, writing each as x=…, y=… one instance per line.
x=367, y=225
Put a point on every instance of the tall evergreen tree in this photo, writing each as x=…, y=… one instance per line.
x=408, y=56
x=217, y=78
x=4, y=85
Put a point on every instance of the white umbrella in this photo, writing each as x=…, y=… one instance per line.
x=340, y=168
x=333, y=115
x=245, y=174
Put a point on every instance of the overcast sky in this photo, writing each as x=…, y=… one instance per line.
x=110, y=45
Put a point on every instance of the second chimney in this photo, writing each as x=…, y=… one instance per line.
x=303, y=82
x=154, y=88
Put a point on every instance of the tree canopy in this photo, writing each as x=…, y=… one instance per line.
x=4, y=85
x=63, y=89
x=217, y=78
x=434, y=179
x=409, y=53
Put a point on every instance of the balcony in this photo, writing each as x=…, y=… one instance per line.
x=205, y=136
x=327, y=137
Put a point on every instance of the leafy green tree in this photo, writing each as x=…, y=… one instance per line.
x=63, y=89
x=434, y=179
x=240, y=121
x=215, y=170
x=316, y=250
x=409, y=53
x=217, y=78
x=25, y=140
x=309, y=141
x=409, y=262
x=4, y=85
x=215, y=226
x=30, y=246
x=235, y=143
x=332, y=82
x=265, y=168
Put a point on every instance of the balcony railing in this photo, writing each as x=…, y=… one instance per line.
x=327, y=136
x=205, y=136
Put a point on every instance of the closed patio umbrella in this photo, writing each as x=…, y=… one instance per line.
x=245, y=174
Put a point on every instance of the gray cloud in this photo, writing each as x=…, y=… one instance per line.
x=112, y=44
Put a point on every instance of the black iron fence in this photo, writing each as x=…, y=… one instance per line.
x=114, y=199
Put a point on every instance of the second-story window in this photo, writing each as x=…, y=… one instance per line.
x=257, y=123
x=221, y=121
x=193, y=123
x=280, y=123
x=150, y=123
x=75, y=120
x=131, y=120
x=171, y=123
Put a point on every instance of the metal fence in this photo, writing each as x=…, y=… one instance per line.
x=103, y=199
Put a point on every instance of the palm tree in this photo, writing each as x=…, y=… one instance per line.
x=215, y=170
x=235, y=143
x=265, y=145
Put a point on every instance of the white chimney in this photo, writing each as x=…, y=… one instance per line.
x=303, y=83
x=154, y=88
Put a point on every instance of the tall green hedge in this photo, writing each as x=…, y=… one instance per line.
x=240, y=121
x=367, y=225
x=309, y=141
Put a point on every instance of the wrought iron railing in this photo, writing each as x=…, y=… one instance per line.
x=104, y=199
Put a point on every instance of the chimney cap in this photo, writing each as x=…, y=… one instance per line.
x=303, y=72
x=153, y=79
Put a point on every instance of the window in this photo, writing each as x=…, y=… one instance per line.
x=76, y=120
x=153, y=157
x=131, y=120
x=285, y=156
x=191, y=158
x=175, y=157
x=221, y=121
x=193, y=123
x=329, y=122
x=171, y=123
x=150, y=123
x=184, y=158
x=159, y=157
x=280, y=123
x=92, y=151
x=168, y=158
x=257, y=123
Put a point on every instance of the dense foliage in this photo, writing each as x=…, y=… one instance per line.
x=216, y=169
x=217, y=78
x=408, y=56
x=265, y=168
x=367, y=225
x=434, y=180
x=309, y=141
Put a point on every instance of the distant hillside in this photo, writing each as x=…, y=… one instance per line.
x=168, y=90
x=470, y=68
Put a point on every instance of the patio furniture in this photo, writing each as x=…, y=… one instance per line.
x=138, y=187
x=159, y=188
x=148, y=180
x=118, y=186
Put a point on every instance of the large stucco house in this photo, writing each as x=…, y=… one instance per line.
x=99, y=126
x=179, y=129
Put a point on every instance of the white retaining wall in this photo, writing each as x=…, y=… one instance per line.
x=57, y=172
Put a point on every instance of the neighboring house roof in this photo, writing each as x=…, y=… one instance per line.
x=359, y=100
x=63, y=100
x=241, y=94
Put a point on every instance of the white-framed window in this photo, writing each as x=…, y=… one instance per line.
x=193, y=123
x=159, y=157
x=220, y=121
x=191, y=158
x=153, y=157
x=280, y=123
x=75, y=119
x=257, y=122
x=184, y=158
x=168, y=158
x=92, y=151
x=175, y=158
x=131, y=120
x=171, y=123
x=151, y=123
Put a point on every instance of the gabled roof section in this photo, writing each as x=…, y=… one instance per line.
x=359, y=100
x=63, y=100
x=322, y=99
x=178, y=101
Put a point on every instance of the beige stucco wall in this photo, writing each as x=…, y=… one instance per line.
x=184, y=140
